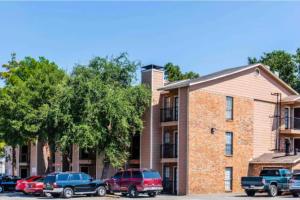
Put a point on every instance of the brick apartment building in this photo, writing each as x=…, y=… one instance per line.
x=203, y=134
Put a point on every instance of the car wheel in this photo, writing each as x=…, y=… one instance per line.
x=1, y=189
x=295, y=194
x=250, y=193
x=133, y=192
x=273, y=191
x=68, y=192
x=101, y=191
x=152, y=194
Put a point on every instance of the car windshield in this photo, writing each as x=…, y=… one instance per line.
x=151, y=174
x=269, y=173
x=296, y=177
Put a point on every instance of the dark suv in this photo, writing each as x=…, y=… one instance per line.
x=67, y=184
x=135, y=181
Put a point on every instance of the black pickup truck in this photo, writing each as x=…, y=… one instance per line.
x=272, y=181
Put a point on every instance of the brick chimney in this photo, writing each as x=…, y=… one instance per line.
x=153, y=76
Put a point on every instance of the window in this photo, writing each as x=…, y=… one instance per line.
x=167, y=138
x=75, y=177
x=269, y=172
x=229, y=145
x=137, y=174
x=152, y=174
x=127, y=174
x=85, y=177
x=229, y=108
x=228, y=179
x=118, y=175
x=62, y=177
x=286, y=117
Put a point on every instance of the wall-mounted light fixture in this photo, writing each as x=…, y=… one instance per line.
x=213, y=130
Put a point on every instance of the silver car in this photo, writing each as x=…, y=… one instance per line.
x=294, y=185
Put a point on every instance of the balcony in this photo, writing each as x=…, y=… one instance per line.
x=169, y=114
x=291, y=125
x=168, y=151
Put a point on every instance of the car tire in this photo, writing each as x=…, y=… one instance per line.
x=250, y=193
x=152, y=194
x=68, y=192
x=132, y=191
x=1, y=189
x=101, y=191
x=295, y=194
x=273, y=191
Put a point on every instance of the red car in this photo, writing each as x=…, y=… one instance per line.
x=21, y=184
x=35, y=187
x=135, y=181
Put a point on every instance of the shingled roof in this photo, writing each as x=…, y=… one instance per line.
x=276, y=158
x=221, y=74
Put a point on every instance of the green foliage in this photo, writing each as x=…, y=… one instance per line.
x=106, y=108
x=2, y=148
x=286, y=64
x=173, y=73
x=32, y=102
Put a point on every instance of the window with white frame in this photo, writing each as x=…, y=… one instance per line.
x=228, y=179
x=229, y=143
x=229, y=108
x=286, y=117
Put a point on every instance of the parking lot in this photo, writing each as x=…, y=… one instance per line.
x=18, y=196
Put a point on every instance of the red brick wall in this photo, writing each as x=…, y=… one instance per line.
x=206, y=151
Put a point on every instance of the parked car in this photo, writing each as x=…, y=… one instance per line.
x=134, y=181
x=272, y=181
x=35, y=187
x=21, y=184
x=8, y=183
x=67, y=184
x=294, y=185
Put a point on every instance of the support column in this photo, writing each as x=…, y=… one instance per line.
x=17, y=170
x=75, y=158
x=99, y=165
x=8, y=162
x=58, y=160
x=33, y=158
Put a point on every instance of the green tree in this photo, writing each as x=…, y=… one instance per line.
x=173, y=73
x=286, y=64
x=33, y=104
x=106, y=107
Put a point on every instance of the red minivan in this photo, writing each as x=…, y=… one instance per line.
x=135, y=181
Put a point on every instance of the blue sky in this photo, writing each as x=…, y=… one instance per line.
x=199, y=36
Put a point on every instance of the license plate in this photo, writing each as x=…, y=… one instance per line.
x=252, y=186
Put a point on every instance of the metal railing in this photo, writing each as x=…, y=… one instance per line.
x=168, y=151
x=169, y=114
x=292, y=123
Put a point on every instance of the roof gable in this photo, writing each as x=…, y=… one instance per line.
x=225, y=73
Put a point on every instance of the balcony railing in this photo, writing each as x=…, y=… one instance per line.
x=292, y=123
x=169, y=114
x=168, y=151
